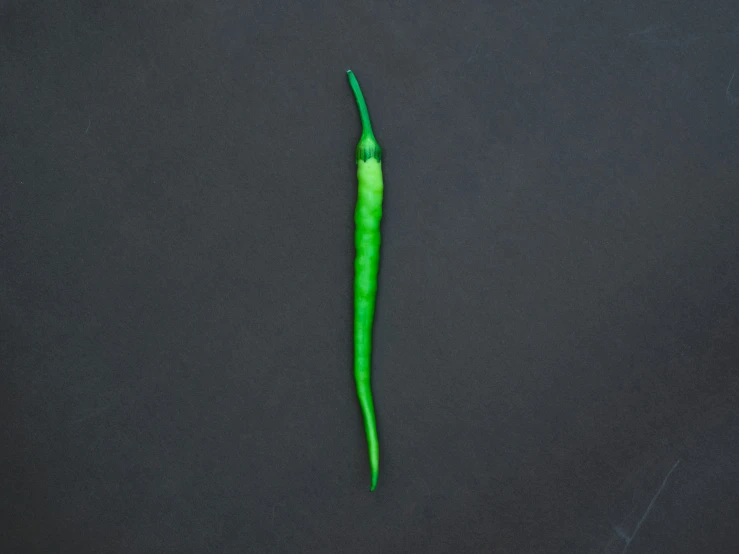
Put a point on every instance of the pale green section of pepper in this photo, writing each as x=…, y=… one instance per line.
x=367, y=241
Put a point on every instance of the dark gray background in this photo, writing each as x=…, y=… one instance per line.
x=557, y=319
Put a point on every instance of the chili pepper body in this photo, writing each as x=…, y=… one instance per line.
x=367, y=216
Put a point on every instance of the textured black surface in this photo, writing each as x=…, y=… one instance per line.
x=557, y=321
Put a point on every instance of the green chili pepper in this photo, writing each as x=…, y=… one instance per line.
x=367, y=241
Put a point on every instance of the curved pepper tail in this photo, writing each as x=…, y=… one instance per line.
x=374, y=455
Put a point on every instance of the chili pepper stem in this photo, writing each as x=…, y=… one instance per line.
x=368, y=147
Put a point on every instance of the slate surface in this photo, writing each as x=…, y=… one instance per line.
x=556, y=335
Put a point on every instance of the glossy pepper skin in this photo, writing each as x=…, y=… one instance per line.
x=367, y=218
